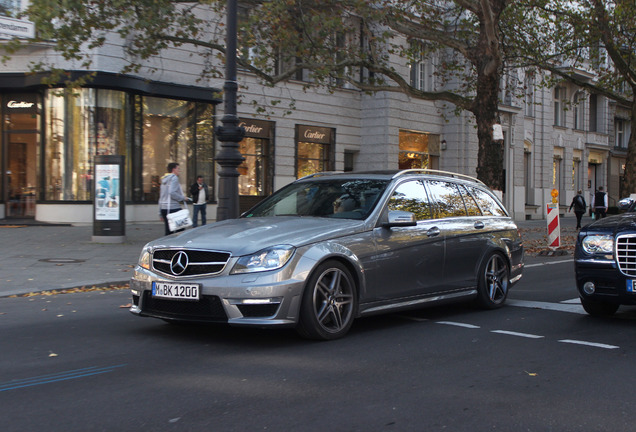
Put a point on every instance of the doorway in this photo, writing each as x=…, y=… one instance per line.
x=21, y=143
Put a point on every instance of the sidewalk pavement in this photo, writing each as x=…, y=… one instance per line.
x=37, y=258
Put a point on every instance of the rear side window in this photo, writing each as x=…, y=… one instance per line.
x=488, y=205
x=411, y=196
x=471, y=205
x=446, y=198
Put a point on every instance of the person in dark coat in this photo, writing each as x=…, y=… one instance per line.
x=599, y=203
x=199, y=193
x=578, y=202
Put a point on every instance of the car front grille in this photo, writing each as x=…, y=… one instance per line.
x=626, y=254
x=189, y=262
x=206, y=309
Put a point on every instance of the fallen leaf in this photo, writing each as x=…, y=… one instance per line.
x=129, y=305
x=52, y=355
x=531, y=373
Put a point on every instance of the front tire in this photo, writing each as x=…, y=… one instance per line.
x=597, y=308
x=494, y=282
x=329, y=303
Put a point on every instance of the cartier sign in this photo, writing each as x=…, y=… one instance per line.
x=256, y=128
x=20, y=104
x=314, y=134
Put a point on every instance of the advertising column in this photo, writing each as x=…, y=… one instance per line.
x=109, y=215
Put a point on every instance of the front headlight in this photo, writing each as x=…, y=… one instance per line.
x=144, y=259
x=267, y=259
x=598, y=244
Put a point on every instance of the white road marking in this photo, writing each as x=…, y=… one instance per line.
x=548, y=263
x=457, y=324
x=572, y=308
x=571, y=301
x=525, y=335
x=592, y=344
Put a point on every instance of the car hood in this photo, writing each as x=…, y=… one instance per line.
x=614, y=224
x=248, y=235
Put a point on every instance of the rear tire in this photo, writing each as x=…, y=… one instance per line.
x=493, y=283
x=329, y=303
x=598, y=308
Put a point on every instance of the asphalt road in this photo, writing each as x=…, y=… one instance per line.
x=82, y=362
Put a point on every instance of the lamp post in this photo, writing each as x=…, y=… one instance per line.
x=230, y=133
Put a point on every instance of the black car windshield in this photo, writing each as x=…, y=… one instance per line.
x=333, y=198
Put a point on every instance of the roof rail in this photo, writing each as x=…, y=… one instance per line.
x=320, y=174
x=437, y=172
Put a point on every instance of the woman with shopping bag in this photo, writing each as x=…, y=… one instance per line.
x=171, y=199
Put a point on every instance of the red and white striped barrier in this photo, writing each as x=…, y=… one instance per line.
x=554, y=230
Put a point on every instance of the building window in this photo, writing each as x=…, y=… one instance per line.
x=579, y=110
x=418, y=150
x=349, y=161
x=559, y=106
x=529, y=94
x=619, y=125
x=422, y=69
x=593, y=113
x=314, y=149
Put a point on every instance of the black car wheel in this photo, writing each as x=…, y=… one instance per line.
x=493, y=282
x=329, y=303
x=598, y=308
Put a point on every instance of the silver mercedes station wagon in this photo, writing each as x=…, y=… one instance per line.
x=331, y=247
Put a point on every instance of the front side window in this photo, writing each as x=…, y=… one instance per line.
x=412, y=197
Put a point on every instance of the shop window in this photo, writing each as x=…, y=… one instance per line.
x=255, y=171
x=313, y=149
x=418, y=150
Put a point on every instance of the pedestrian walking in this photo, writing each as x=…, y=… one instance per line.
x=599, y=203
x=578, y=202
x=171, y=195
x=199, y=194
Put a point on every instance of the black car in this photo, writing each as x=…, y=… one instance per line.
x=605, y=262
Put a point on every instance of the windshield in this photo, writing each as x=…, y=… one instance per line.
x=333, y=198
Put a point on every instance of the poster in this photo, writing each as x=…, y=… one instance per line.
x=107, y=192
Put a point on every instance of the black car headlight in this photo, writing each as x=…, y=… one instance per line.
x=271, y=258
x=598, y=244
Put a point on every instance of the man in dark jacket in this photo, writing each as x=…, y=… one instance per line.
x=199, y=193
x=578, y=202
x=599, y=204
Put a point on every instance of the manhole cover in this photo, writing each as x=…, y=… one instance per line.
x=62, y=260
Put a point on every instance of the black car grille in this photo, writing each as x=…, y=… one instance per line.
x=626, y=254
x=195, y=263
x=206, y=309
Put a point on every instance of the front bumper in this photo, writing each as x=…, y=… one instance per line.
x=611, y=286
x=259, y=299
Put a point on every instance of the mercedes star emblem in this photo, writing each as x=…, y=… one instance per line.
x=179, y=263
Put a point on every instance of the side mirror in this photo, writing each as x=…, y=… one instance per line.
x=399, y=218
x=625, y=204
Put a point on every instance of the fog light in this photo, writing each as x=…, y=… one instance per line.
x=589, y=288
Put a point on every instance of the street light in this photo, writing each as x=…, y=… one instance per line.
x=230, y=134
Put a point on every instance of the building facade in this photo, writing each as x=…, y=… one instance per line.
x=560, y=138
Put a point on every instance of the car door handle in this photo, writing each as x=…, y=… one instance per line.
x=433, y=232
x=479, y=225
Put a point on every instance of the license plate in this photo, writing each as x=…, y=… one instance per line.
x=630, y=286
x=178, y=291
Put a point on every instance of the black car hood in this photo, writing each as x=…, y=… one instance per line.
x=613, y=224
